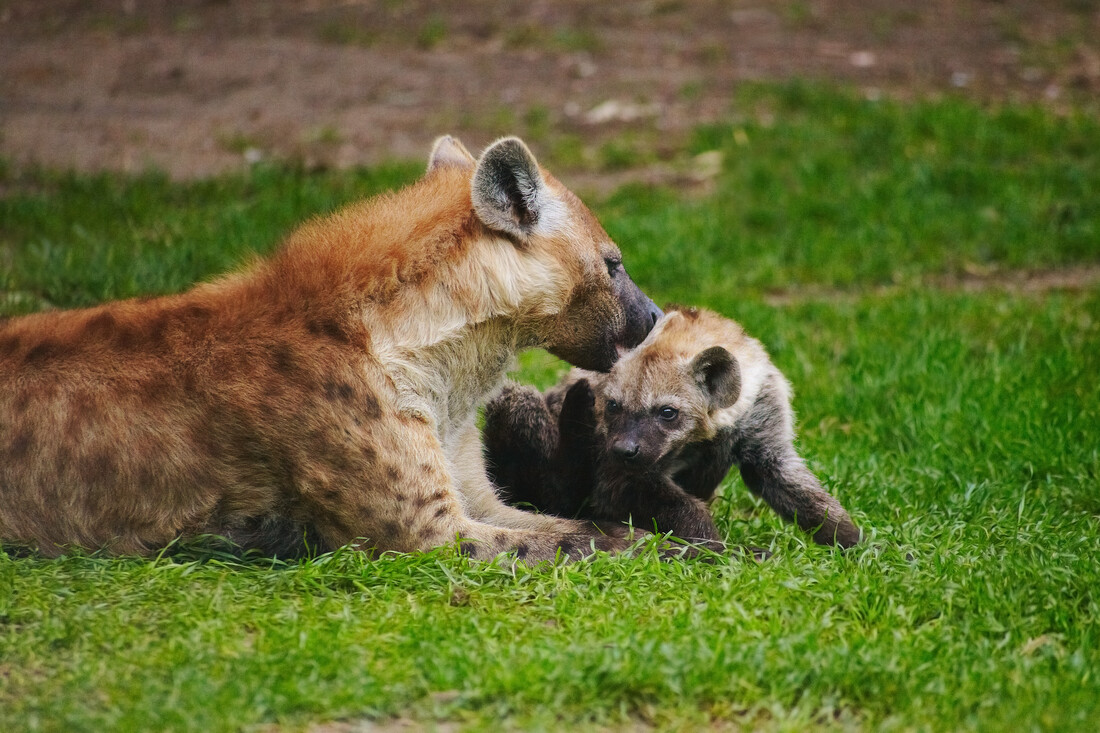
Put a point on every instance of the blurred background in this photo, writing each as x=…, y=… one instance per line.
x=610, y=91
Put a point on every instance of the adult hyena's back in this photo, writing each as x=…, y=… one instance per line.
x=77, y=429
x=128, y=425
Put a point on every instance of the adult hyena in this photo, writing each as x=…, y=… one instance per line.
x=333, y=385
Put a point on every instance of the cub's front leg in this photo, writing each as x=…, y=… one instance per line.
x=651, y=500
x=540, y=459
x=763, y=447
x=705, y=464
x=575, y=460
x=521, y=439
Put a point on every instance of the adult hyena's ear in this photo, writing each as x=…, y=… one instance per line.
x=718, y=375
x=448, y=151
x=509, y=193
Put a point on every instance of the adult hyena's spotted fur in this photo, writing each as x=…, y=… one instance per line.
x=653, y=439
x=332, y=386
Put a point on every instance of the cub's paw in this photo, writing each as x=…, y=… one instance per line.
x=517, y=418
x=577, y=421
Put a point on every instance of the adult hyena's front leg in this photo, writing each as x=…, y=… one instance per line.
x=414, y=501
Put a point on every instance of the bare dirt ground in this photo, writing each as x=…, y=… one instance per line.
x=195, y=87
x=1017, y=282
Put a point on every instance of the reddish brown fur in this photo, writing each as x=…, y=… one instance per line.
x=266, y=393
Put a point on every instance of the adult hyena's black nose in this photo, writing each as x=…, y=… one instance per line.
x=655, y=313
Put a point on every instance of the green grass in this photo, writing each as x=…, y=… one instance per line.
x=73, y=240
x=818, y=188
x=821, y=188
x=959, y=428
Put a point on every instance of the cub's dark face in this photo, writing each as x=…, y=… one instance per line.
x=641, y=435
x=660, y=398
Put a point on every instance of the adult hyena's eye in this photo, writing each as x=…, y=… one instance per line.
x=668, y=413
x=612, y=406
x=613, y=265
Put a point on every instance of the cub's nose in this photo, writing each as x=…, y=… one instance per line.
x=625, y=450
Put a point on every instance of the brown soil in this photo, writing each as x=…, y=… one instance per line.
x=1018, y=282
x=199, y=86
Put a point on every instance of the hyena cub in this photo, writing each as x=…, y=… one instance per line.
x=652, y=440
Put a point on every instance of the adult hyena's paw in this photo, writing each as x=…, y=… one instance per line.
x=620, y=538
x=569, y=547
x=579, y=546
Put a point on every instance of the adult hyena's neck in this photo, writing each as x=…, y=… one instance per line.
x=456, y=332
x=462, y=336
x=441, y=301
x=482, y=359
x=447, y=379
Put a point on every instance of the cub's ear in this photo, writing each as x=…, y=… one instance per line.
x=718, y=375
x=508, y=191
x=449, y=151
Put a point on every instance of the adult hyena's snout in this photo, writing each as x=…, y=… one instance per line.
x=601, y=323
x=640, y=313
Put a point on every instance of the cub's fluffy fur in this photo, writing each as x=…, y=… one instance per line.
x=653, y=439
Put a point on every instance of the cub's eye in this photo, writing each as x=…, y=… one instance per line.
x=612, y=265
x=613, y=406
x=668, y=413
